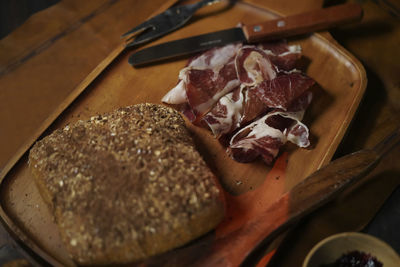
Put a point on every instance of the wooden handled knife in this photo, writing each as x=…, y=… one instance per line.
x=268, y=30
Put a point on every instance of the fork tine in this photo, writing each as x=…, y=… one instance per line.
x=152, y=32
x=146, y=24
x=139, y=32
x=139, y=28
x=171, y=19
x=141, y=38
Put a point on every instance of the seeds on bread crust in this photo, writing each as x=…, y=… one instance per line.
x=126, y=185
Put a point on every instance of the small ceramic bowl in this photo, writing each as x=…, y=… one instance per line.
x=331, y=248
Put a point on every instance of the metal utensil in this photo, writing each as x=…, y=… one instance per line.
x=302, y=23
x=161, y=24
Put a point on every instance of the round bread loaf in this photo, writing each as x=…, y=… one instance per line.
x=126, y=185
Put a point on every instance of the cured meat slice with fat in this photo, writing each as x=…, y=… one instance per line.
x=266, y=135
x=226, y=115
x=282, y=91
x=253, y=66
x=242, y=105
x=204, y=81
x=234, y=110
x=251, y=97
x=282, y=55
x=206, y=87
x=247, y=103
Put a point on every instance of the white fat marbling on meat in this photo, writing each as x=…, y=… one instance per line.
x=228, y=88
x=260, y=129
x=219, y=58
x=292, y=49
x=291, y=71
x=257, y=68
x=176, y=95
x=233, y=116
x=302, y=139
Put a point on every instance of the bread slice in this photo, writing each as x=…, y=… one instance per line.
x=126, y=185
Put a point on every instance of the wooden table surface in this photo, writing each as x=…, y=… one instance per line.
x=43, y=60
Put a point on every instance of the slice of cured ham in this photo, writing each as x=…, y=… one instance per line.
x=242, y=105
x=234, y=110
x=206, y=87
x=253, y=66
x=251, y=97
x=288, y=92
x=226, y=115
x=266, y=135
x=204, y=81
x=283, y=90
x=282, y=55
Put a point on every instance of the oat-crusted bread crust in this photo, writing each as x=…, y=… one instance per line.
x=126, y=185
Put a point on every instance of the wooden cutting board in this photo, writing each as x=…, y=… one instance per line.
x=250, y=188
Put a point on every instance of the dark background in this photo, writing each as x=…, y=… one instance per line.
x=14, y=13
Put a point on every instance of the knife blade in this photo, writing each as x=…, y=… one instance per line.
x=298, y=24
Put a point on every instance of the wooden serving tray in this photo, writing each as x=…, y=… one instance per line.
x=250, y=188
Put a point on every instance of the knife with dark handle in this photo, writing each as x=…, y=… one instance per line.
x=268, y=30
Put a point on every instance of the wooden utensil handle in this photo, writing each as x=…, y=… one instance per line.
x=320, y=187
x=303, y=23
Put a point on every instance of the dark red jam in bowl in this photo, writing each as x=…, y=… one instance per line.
x=355, y=259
